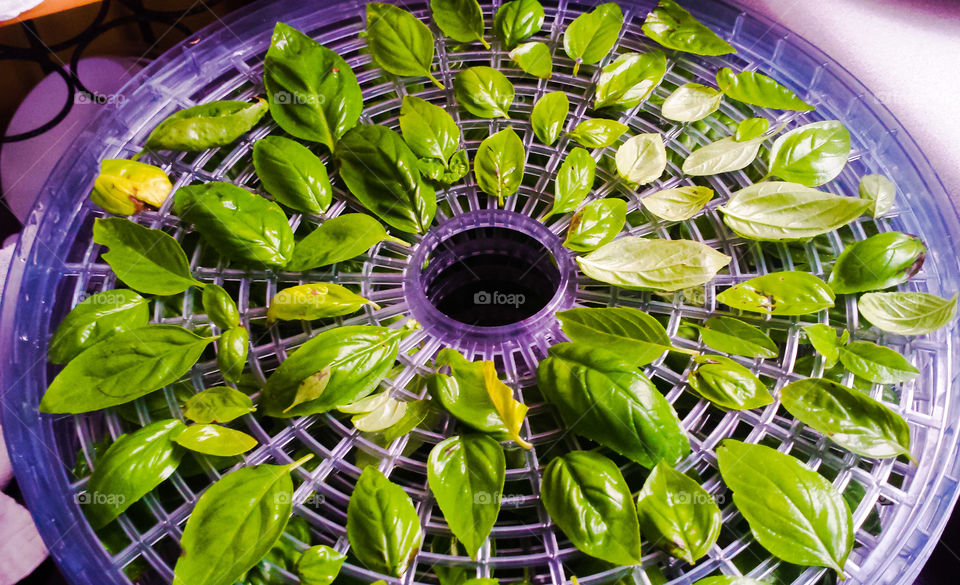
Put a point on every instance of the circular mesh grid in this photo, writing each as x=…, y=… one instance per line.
x=59, y=265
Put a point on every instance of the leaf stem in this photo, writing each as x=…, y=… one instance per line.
x=764, y=178
x=435, y=80
x=485, y=44
x=301, y=461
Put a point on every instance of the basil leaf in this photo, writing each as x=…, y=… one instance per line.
x=727, y=384
x=825, y=340
x=313, y=92
x=123, y=367
x=780, y=293
x=232, y=349
x=665, y=265
x=757, y=89
x=399, y=43
x=319, y=565
x=548, y=115
x=96, y=318
x=131, y=468
x=428, y=130
x=236, y=223
x=335, y=240
x=219, y=306
x=678, y=515
x=382, y=524
x=608, y=400
x=464, y=395
x=518, y=20
x=206, y=125
x=812, y=154
x=589, y=500
x=633, y=335
x=358, y=356
x=310, y=389
x=149, y=261
x=123, y=186
x=215, y=440
x=733, y=336
x=691, y=102
x=629, y=80
x=880, y=191
x=510, y=410
x=234, y=524
x=574, y=181
x=498, y=164
x=466, y=475
x=217, y=404
x=533, y=58
x=597, y=132
x=679, y=203
x=293, y=175
x=382, y=173
x=314, y=301
x=595, y=224
x=793, y=512
x=848, y=417
x=775, y=211
x=642, y=158
x=880, y=261
x=379, y=413
x=674, y=28
x=592, y=34
x=461, y=20
x=751, y=128
x=723, y=156
x=456, y=169
x=878, y=364
x=484, y=92
x=907, y=313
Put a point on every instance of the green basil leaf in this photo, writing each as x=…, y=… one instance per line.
x=310, y=388
x=793, y=512
x=382, y=173
x=218, y=404
x=907, y=313
x=293, y=175
x=319, y=565
x=880, y=261
x=149, y=261
x=825, y=340
x=678, y=515
x=878, y=364
x=665, y=265
x=318, y=300
x=232, y=349
x=848, y=417
x=608, y=400
x=780, y=293
x=632, y=334
x=588, y=498
x=548, y=115
x=597, y=132
x=880, y=191
x=751, y=128
x=723, y=156
x=96, y=318
x=518, y=20
x=691, y=102
x=674, y=28
x=498, y=164
x=642, y=158
x=234, y=524
x=335, y=240
x=595, y=224
x=382, y=524
x=574, y=181
x=359, y=357
x=428, y=130
x=484, y=92
x=727, y=384
x=466, y=475
x=629, y=80
x=812, y=154
x=123, y=367
x=236, y=223
x=123, y=186
x=592, y=34
x=131, y=468
x=399, y=43
x=461, y=20
x=679, y=203
x=456, y=169
x=206, y=126
x=533, y=58
x=215, y=440
x=757, y=89
x=776, y=211
x=386, y=412
x=416, y=413
x=313, y=92
x=220, y=307
x=733, y=336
